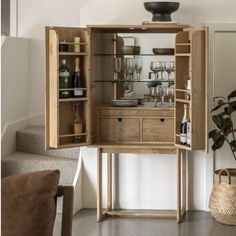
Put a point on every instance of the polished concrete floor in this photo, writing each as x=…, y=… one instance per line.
x=196, y=223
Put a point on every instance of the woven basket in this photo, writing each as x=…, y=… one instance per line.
x=223, y=197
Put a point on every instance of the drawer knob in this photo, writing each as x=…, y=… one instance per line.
x=162, y=119
x=119, y=119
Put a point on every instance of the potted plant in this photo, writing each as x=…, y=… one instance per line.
x=223, y=197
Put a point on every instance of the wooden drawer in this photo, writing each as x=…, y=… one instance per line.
x=137, y=112
x=158, y=130
x=119, y=129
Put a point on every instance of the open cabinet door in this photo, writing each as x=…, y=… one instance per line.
x=52, y=122
x=191, y=82
x=67, y=117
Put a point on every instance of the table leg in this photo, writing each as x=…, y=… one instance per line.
x=99, y=185
x=109, y=181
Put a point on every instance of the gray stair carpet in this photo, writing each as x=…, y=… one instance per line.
x=32, y=139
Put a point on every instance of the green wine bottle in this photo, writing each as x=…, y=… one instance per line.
x=64, y=80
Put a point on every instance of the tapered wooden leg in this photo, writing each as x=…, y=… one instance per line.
x=109, y=181
x=99, y=185
x=184, y=153
x=178, y=185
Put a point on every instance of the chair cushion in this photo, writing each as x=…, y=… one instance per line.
x=29, y=203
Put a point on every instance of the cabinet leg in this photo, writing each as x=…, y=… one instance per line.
x=184, y=154
x=178, y=212
x=109, y=181
x=99, y=185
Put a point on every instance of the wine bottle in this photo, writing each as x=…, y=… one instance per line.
x=189, y=133
x=78, y=126
x=77, y=80
x=64, y=80
x=183, y=129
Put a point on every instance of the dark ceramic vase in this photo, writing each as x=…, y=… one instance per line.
x=161, y=10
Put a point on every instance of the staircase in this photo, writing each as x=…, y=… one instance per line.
x=31, y=156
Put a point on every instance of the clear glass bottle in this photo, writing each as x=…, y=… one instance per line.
x=78, y=125
x=64, y=80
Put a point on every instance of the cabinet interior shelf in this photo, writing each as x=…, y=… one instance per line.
x=67, y=145
x=181, y=146
x=73, y=54
x=73, y=43
x=183, y=54
x=183, y=44
x=183, y=90
x=72, y=99
x=135, y=81
x=182, y=100
x=71, y=89
x=121, y=54
x=72, y=135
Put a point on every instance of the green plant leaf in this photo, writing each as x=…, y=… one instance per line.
x=218, y=106
x=232, y=94
x=233, y=144
x=227, y=124
x=219, y=121
x=218, y=143
x=212, y=133
x=232, y=105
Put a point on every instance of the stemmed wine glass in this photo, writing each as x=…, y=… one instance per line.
x=138, y=67
x=172, y=69
x=130, y=66
x=156, y=66
x=117, y=67
x=168, y=68
x=170, y=93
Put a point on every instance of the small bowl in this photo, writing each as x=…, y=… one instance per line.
x=161, y=10
x=163, y=51
x=131, y=50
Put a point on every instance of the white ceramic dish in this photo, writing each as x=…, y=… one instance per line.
x=125, y=103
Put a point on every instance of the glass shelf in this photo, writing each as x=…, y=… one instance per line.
x=135, y=81
x=121, y=54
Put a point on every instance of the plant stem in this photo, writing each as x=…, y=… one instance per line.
x=230, y=147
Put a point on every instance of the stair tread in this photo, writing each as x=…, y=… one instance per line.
x=34, y=129
x=32, y=156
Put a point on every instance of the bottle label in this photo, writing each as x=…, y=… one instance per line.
x=77, y=128
x=78, y=92
x=64, y=74
x=183, y=138
x=188, y=133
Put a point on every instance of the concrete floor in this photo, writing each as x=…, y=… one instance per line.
x=196, y=223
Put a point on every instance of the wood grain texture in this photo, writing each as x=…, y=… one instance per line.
x=119, y=129
x=197, y=111
x=53, y=88
x=158, y=129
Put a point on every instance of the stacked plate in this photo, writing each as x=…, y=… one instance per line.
x=125, y=103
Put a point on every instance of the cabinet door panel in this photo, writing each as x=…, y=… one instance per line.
x=119, y=129
x=158, y=129
x=52, y=127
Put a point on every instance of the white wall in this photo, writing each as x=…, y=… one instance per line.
x=14, y=89
x=135, y=174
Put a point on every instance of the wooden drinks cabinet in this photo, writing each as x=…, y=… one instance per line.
x=145, y=128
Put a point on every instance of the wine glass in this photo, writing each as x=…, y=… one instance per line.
x=156, y=66
x=117, y=67
x=170, y=93
x=129, y=65
x=138, y=67
x=168, y=68
x=172, y=69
